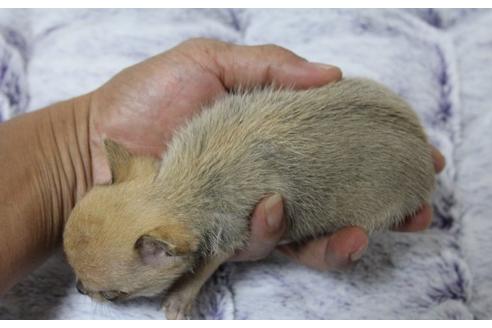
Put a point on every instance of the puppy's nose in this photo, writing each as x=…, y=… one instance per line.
x=80, y=288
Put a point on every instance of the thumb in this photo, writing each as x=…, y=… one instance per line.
x=267, y=228
x=249, y=66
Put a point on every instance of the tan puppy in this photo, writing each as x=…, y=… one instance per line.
x=349, y=153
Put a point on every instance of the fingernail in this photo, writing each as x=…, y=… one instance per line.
x=326, y=66
x=273, y=211
x=355, y=256
x=439, y=160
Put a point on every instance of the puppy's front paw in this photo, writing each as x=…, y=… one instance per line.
x=178, y=306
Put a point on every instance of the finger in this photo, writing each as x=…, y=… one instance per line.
x=250, y=66
x=439, y=160
x=417, y=222
x=332, y=252
x=267, y=227
x=422, y=219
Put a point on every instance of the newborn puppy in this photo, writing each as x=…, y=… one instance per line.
x=349, y=153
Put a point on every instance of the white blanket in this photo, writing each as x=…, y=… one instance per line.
x=439, y=60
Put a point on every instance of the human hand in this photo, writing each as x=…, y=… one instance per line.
x=143, y=105
x=336, y=251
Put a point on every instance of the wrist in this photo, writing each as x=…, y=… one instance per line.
x=67, y=154
x=44, y=170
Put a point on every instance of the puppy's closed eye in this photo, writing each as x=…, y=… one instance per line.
x=80, y=288
x=112, y=295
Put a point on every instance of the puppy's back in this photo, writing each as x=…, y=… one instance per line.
x=349, y=153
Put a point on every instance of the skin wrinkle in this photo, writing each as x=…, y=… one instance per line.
x=40, y=193
x=211, y=54
x=45, y=203
x=48, y=204
x=84, y=176
x=57, y=180
x=219, y=74
x=78, y=182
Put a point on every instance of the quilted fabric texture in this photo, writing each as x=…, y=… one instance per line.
x=439, y=60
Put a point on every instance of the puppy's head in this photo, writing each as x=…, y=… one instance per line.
x=121, y=239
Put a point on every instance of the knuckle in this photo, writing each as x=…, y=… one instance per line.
x=204, y=47
x=205, y=43
x=276, y=49
x=272, y=47
x=197, y=41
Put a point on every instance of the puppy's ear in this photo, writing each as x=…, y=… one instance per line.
x=119, y=160
x=153, y=251
x=163, y=242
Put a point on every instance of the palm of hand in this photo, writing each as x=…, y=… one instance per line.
x=142, y=106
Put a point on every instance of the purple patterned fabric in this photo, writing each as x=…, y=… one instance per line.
x=439, y=60
x=13, y=86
